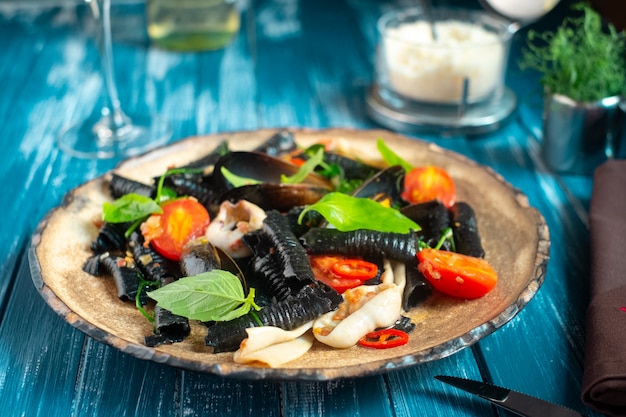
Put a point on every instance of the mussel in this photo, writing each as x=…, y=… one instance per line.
x=385, y=185
x=270, y=192
x=260, y=167
x=281, y=197
x=199, y=256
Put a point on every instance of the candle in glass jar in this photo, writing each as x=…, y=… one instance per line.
x=434, y=70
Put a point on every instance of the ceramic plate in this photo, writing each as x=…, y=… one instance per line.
x=515, y=238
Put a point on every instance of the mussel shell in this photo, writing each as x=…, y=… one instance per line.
x=281, y=197
x=260, y=167
x=385, y=185
x=201, y=256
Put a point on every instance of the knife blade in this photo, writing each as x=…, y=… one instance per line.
x=516, y=402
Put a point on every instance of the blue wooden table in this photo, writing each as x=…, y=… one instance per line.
x=293, y=64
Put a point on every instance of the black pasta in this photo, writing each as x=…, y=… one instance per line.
x=288, y=314
x=366, y=243
x=119, y=186
x=465, y=230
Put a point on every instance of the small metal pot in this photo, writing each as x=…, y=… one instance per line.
x=577, y=137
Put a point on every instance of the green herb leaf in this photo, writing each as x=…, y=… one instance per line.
x=309, y=166
x=128, y=208
x=167, y=194
x=390, y=157
x=580, y=59
x=348, y=213
x=211, y=296
x=236, y=180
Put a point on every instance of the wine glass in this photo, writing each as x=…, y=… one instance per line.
x=112, y=133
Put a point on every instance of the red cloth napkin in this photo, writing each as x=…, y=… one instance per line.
x=604, y=379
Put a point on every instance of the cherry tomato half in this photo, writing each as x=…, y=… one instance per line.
x=456, y=274
x=181, y=221
x=429, y=183
x=384, y=339
x=324, y=265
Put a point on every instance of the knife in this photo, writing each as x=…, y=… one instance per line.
x=516, y=402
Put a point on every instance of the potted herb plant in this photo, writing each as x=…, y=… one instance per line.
x=584, y=77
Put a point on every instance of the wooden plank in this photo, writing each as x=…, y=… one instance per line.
x=414, y=391
x=203, y=394
x=343, y=397
x=39, y=355
x=113, y=383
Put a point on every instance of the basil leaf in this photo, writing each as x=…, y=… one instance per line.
x=211, y=296
x=348, y=213
x=236, y=180
x=306, y=168
x=390, y=157
x=128, y=208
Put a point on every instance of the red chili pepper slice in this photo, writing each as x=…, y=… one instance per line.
x=384, y=339
x=355, y=268
x=322, y=266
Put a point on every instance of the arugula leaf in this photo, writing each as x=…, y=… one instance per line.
x=309, y=166
x=128, y=208
x=236, y=180
x=348, y=213
x=390, y=157
x=211, y=296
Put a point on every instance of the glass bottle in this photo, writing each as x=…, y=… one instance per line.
x=192, y=25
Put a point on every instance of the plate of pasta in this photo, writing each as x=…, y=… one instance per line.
x=309, y=257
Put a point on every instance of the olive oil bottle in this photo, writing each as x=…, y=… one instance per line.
x=192, y=25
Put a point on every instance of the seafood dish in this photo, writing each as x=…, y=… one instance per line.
x=292, y=254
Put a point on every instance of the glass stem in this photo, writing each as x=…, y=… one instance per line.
x=112, y=110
